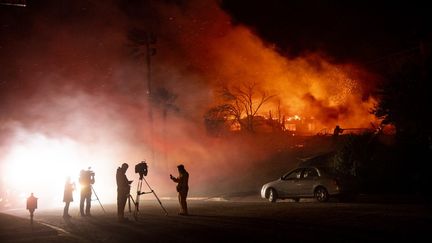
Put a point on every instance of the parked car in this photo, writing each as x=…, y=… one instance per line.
x=308, y=182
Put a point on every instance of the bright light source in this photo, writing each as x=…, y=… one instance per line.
x=40, y=164
x=41, y=160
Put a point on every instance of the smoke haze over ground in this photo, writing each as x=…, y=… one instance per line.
x=73, y=95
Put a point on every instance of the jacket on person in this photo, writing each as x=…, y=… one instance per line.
x=182, y=182
x=123, y=184
x=67, y=196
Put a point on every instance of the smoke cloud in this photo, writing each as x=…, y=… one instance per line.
x=68, y=77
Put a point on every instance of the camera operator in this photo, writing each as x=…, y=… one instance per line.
x=123, y=190
x=86, y=180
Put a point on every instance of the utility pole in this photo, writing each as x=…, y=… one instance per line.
x=151, y=51
x=143, y=43
x=150, y=41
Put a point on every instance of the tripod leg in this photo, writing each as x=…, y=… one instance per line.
x=103, y=209
x=139, y=187
x=130, y=211
x=166, y=212
x=135, y=214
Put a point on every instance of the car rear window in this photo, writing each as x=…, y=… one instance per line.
x=326, y=171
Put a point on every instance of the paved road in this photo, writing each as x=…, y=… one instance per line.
x=256, y=221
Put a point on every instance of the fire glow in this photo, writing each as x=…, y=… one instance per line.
x=39, y=164
x=310, y=85
x=81, y=98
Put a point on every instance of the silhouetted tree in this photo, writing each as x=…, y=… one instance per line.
x=352, y=152
x=217, y=118
x=244, y=100
x=403, y=102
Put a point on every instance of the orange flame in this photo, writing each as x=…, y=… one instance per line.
x=309, y=86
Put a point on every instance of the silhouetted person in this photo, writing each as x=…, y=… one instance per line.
x=31, y=206
x=338, y=130
x=86, y=180
x=69, y=187
x=182, y=188
x=123, y=190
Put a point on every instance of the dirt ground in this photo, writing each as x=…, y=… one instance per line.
x=218, y=221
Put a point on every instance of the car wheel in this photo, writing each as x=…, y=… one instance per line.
x=272, y=196
x=321, y=194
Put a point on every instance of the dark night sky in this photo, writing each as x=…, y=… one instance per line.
x=361, y=31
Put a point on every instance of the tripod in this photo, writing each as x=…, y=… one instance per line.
x=135, y=214
x=97, y=198
x=139, y=193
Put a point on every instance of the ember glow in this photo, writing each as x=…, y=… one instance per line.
x=79, y=97
x=307, y=86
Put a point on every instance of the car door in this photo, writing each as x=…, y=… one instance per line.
x=308, y=181
x=290, y=183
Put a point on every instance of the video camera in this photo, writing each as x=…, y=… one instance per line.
x=142, y=169
x=86, y=177
x=89, y=172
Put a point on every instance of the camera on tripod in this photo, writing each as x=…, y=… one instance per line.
x=142, y=169
x=87, y=174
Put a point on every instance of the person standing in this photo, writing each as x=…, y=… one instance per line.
x=31, y=206
x=67, y=196
x=182, y=188
x=336, y=132
x=123, y=190
x=86, y=180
